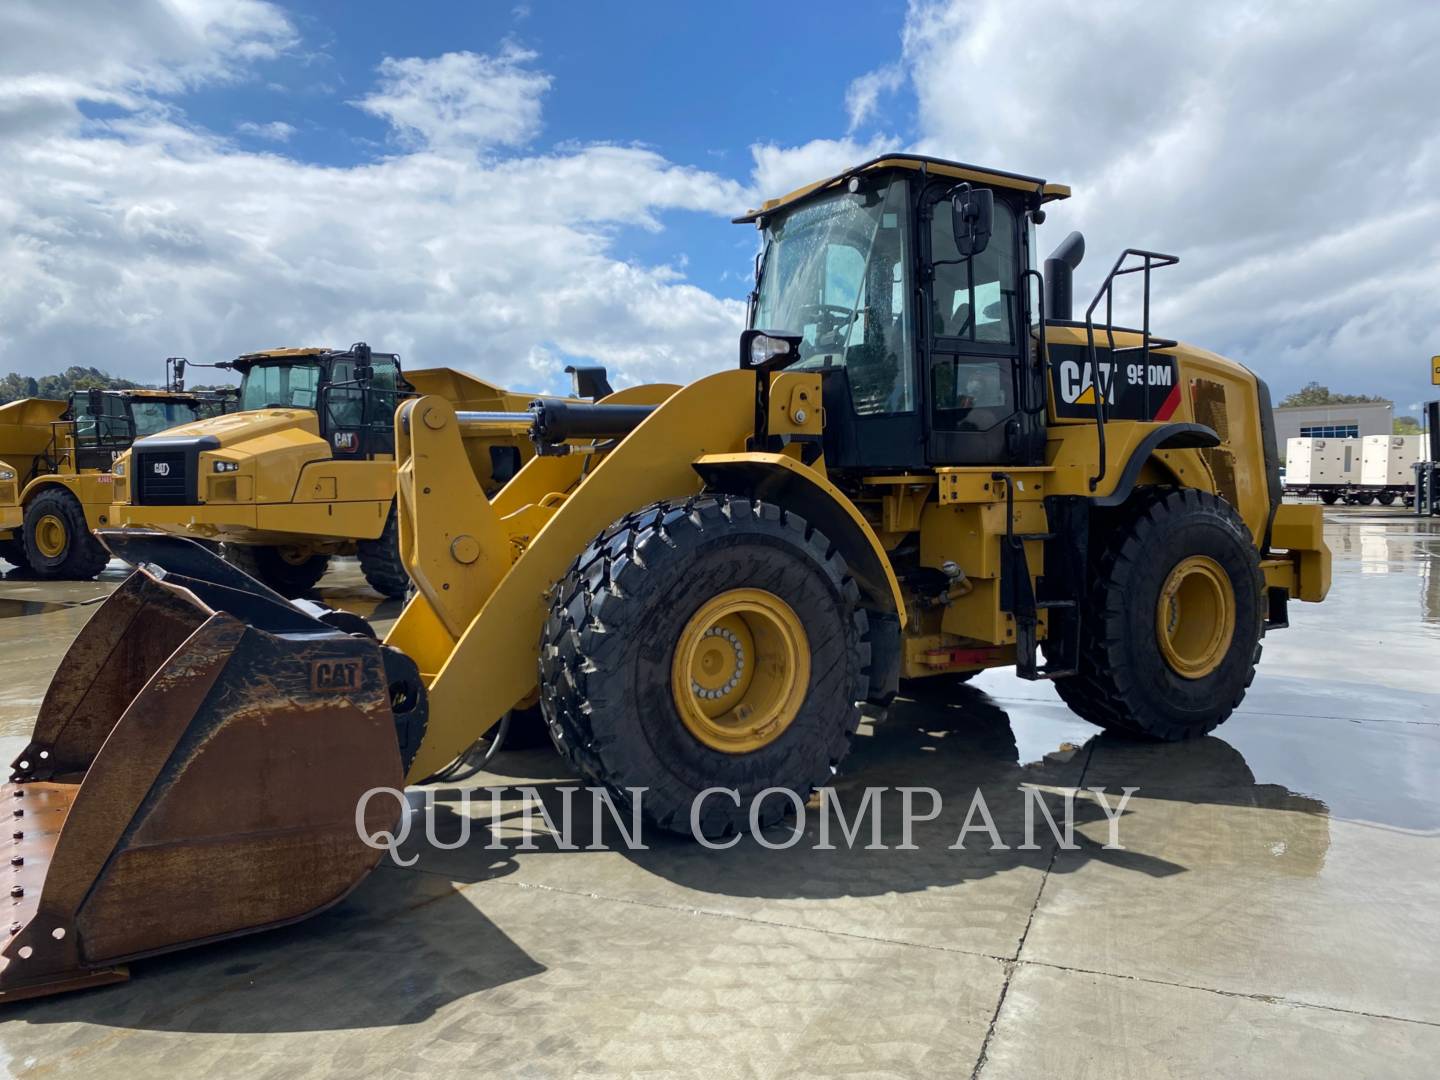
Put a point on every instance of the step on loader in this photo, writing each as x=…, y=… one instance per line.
x=922, y=467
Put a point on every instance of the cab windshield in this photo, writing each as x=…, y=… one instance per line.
x=283, y=385
x=153, y=417
x=834, y=272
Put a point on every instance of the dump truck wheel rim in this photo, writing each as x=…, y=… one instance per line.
x=50, y=536
x=741, y=670
x=1195, y=616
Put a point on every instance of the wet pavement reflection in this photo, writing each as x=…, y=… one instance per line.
x=1290, y=859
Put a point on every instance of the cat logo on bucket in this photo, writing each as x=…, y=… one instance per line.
x=335, y=675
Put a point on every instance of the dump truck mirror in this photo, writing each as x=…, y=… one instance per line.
x=972, y=211
x=96, y=401
x=364, y=372
x=765, y=350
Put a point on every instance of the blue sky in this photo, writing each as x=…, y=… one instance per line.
x=500, y=188
x=700, y=88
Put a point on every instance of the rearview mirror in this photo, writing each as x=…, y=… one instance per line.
x=972, y=210
x=364, y=372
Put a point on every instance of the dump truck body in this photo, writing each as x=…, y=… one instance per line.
x=306, y=469
x=59, y=455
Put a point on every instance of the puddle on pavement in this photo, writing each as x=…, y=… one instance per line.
x=11, y=607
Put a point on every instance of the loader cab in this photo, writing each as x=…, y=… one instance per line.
x=907, y=282
x=353, y=392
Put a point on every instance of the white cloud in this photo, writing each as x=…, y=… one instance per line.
x=862, y=97
x=1287, y=152
x=461, y=100
x=274, y=131
x=144, y=236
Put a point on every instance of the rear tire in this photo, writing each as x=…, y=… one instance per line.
x=1386, y=498
x=288, y=572
x=1365, y=500
x=1194, y=546
x=58, y=542
x=620, y=704
x=380, y=561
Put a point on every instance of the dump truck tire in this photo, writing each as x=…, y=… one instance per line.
x=632, y=615
x=290, y=577
x=380, y=561
x=1170, y=634
x=58, y=541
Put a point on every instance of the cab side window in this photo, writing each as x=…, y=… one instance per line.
x=382, y=391
x=346, y=404
x=974, y=299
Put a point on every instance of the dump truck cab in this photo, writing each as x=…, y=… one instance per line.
x=60, y=454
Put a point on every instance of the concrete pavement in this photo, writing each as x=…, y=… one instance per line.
x=1274, y=909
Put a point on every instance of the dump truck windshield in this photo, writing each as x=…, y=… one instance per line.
x=285, y=385
x=835, y=272
x=153, y=417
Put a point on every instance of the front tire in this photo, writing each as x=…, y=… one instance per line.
x=58, y=542
x=715, y=642
x=380, y=561
x=1170, y=634
x=292, y=572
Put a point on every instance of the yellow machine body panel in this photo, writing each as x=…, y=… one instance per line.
x=285, y=486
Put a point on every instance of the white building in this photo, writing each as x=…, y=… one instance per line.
x=1333, y=421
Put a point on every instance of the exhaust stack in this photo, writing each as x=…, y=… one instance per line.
x=1059, y=274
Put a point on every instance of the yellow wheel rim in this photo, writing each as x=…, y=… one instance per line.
x=1195, y=616
x=741, y=670
x=50, y=536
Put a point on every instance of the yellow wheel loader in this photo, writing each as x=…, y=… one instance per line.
x=923, y=466
x=305, y=468
x=55, y=461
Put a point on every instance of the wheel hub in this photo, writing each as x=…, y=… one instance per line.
x=50, y=536
x=1195, y=617
x=741, y=670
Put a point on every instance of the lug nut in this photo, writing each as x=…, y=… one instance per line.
x=18, y=890
x=17, y=860
x=18, y=835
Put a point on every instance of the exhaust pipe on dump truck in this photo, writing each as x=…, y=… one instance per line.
x=128, y=835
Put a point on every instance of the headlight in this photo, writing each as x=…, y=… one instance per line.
x=118, y=468
x=7, y=474
x=227, y=466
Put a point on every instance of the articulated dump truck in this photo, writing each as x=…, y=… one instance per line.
x=306, y=468
x=923, y=466
x=56, y=486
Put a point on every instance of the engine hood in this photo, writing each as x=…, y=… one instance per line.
x=233, y=429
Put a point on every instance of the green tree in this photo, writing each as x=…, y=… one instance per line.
x=1313, y=393
x=15, y=386
x=1405, y=425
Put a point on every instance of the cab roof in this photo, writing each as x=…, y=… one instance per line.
x=278, y=354
x=1046, y=191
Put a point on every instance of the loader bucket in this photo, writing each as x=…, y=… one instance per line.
x=195, y=769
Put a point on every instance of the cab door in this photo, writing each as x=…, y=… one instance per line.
x=973, y=337
x=342, y=419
